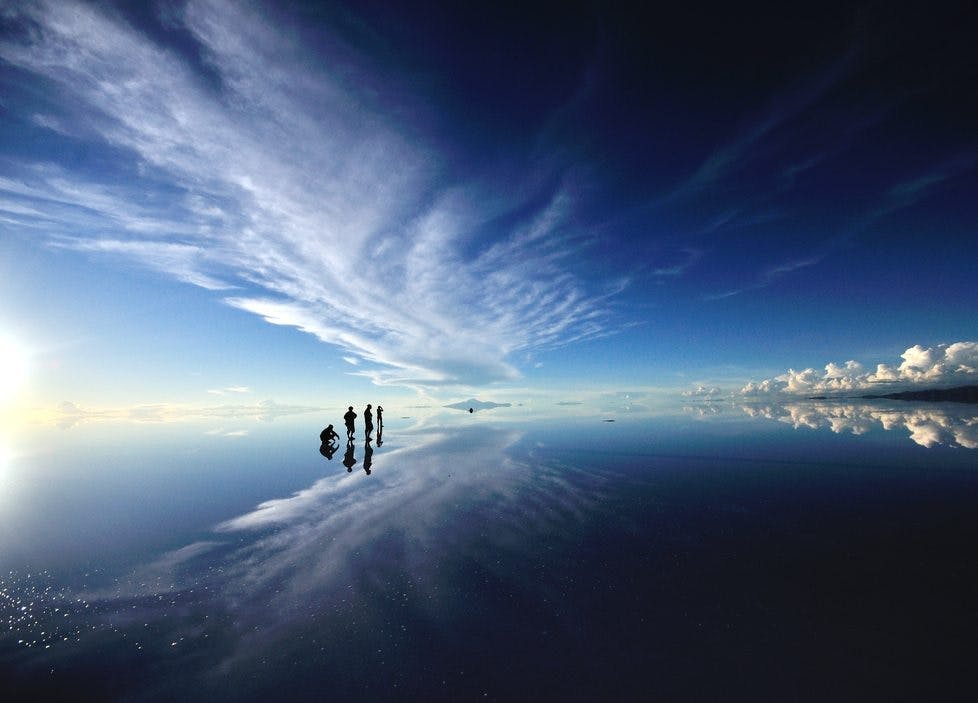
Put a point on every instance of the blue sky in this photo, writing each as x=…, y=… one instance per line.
x=207, y=202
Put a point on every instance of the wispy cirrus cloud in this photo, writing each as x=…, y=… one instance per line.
x=687, y=257
x=733, y=156
x=768, y=276
x=282, y=177
x=904, y=194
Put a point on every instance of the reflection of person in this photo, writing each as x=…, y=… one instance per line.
x=368, y=456
x=328, y=435
x=368, y=420
x=328, y=449
x=348, y=419
x=349, y=460
x=380, y=434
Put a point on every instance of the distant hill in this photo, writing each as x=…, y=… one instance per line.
x=477, y=405
x=961, y=394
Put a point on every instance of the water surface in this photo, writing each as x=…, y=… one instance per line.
x=806, y=551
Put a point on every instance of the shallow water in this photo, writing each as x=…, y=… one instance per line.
x=810, y=551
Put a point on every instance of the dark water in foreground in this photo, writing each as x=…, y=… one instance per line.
x=815, y=552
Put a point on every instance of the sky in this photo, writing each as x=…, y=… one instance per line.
x=222, y=203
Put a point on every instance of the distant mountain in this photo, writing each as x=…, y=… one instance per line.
x=477, y=405
x=961, y=394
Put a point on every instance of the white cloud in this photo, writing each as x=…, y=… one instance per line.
x=229, y=389
x=182, y=261
x=850, y=368
x=943, y=364
x=703, y=391
x=761, y=388
x=293, y=186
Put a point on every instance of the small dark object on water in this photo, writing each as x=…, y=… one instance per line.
x=471, y=410
x=609, y=421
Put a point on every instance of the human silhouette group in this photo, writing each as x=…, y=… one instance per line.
x=329, y=437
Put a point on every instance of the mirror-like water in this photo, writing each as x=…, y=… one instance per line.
x=807, y=551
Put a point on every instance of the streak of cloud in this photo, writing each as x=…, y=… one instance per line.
x=736, y=154
x=229, y=389
x=678, y=268
x=769, y=276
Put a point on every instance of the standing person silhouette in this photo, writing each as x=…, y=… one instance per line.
x=368, y=420
x=380, y=417
x=348, y=419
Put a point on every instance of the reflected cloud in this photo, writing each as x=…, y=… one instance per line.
x=312, y=547
x=927, y=426
x=703, y=410
x=67, y=414
x=223, y=432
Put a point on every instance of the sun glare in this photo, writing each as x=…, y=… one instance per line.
x=13, y=368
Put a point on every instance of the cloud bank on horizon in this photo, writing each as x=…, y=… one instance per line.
x=276, y=180
x=942, y=365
